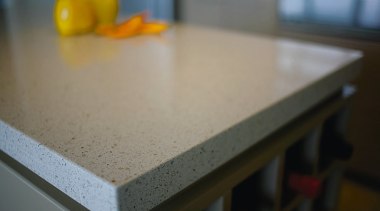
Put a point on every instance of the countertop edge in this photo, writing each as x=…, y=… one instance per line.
x=70, y=178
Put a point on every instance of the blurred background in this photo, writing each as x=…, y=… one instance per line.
x=347, y=23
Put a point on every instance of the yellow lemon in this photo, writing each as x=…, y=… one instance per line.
x=74, y=16
x=106, y=10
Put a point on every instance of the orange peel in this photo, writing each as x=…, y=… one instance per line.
x=153, y=28
x=135, y=25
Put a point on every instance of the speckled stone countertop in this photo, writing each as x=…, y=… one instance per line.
x=123, y=124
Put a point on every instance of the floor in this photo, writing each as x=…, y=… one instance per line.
x=357, y=197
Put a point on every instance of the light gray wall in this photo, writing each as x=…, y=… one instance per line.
x=247, y=15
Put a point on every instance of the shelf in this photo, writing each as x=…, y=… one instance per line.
x=259, y=191
x=301, y=158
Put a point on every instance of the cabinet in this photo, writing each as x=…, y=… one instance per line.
x=21, y=189
x=17, y=193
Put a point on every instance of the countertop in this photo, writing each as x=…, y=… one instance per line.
x=123, y=124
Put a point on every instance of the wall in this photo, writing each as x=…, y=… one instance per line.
x=247, y=15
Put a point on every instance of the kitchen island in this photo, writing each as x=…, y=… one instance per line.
x=128, y=124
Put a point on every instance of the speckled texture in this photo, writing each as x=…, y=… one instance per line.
x=123, y=124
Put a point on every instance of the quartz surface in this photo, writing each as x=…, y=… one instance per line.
x=125, y=124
